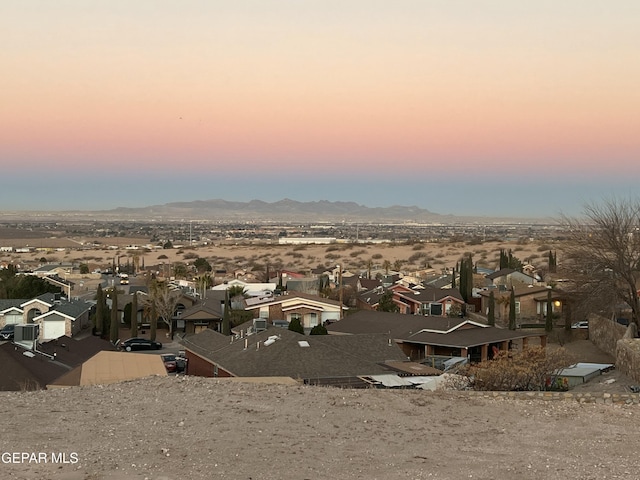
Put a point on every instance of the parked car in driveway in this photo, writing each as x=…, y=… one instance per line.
x=7, y=332
x=140, y=344
x=170, y=362
x=582, y=324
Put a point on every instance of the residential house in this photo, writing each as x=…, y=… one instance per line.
x=527, y=302
x=311, y=310
x=55, y=314
x=274, y=352
x=422, y=337
x=50, y=361
x=506, y=278
x=202, y=315
x=427, y=301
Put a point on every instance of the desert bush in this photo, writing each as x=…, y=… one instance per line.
x=356, y=253
x=297, y=248
x=190, y=255
x=544, y=248
x=332, y=248
x=376, y=256
x=414, y=257
x=527, y=370
x=418, y=246
x=332, y=256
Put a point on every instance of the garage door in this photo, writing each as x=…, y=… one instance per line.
x=52, y=329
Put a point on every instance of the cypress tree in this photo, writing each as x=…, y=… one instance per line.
x=115, y=324
x=548, y=324
x=491, y=315
x=134, y=315
x=453, y=278
x=153, y=321
x=99, y=310
x=226, y=315
x=512, y=310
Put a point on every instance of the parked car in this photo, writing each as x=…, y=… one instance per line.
x=170, y=362
x=140, y=344
x=7, y=332
x=582, y=324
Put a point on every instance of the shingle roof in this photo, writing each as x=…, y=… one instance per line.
x=325, y=355
x=396, y=325
x=19, y=371
x=466, y=337
x=432, y=294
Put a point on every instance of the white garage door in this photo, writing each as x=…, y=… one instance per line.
x=52, y=329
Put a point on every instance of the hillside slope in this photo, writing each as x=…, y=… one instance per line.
x=181, y=427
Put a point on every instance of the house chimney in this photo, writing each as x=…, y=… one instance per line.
x=246, y=343
x=258, y=346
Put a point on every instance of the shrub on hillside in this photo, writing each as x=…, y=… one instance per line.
x=528, y=370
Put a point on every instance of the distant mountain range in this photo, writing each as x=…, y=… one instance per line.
x=291, y=210
x=285, y=210
x=282, y=210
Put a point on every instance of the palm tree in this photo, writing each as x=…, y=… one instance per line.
x=386, y=265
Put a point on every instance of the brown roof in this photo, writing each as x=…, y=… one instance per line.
x=395, y=325
x=112, y=367
x=325, y=355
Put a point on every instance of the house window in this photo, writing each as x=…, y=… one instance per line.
x=313, y=319
x=435, y=309
x=296, y=316
x=517, y=308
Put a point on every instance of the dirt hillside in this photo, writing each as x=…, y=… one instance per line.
x=194, y=428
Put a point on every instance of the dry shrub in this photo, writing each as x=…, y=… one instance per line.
x=527, y=370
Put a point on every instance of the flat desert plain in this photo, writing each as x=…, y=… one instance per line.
x=354, y=257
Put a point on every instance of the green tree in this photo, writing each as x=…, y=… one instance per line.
x=386, y=265
x=466, y=277
x=153, y=323
x=202, y=265
x=548, y=324
x=512, y=310
x=100, y=310
x=226, y=315
x=84, y=268
x=296, y=326
x=115, y=323
x=319, y=330
x=386, y=303
x=126, y=317
x=134, y=314
x=552, y=262
x=491, y=315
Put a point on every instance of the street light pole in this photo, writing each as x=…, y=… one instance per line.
x=340, y=291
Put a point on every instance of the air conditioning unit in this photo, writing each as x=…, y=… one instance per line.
x=26, y=333
x=260, y=324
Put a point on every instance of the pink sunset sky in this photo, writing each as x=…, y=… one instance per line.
x=333, y=97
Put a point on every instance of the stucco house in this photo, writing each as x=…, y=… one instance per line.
x=311, y=310
x=55, y=314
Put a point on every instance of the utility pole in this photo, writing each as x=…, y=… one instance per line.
x=340, y=291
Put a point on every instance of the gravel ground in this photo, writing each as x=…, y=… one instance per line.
x=195, y=428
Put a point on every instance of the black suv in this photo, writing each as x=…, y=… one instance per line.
x=7, y=332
